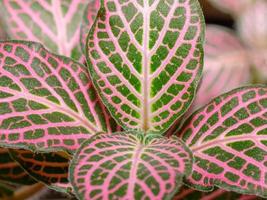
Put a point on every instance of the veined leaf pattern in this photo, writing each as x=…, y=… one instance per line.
x=88, y=20
x=49, y=168
x=228, y=138
x=11, y=171
x=54, y=23
x=47, y=102
x=129, y=165
x=145, y=58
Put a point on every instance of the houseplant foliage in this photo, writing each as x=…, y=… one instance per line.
x=144, y=62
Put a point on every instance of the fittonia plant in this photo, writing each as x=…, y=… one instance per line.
x=145, y=60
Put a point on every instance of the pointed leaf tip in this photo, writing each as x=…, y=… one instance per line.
x=145, y=58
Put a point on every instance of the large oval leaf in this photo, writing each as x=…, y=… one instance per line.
x=129, y=165
x=226, y=64
x=56, y=24
x=47, y=102
x=145, y=58
x=11, y=171
x=228, y=138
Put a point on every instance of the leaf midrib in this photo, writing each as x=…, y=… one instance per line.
x=228, y=140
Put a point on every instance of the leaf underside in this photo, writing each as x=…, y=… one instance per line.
x=11, y=171
x=228, y=138
x=49, y=168
x=56, y=24
x=145, y=58
x=129, y=165
x=47, y=102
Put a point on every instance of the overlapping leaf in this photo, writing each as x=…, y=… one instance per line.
x=11, y=171
x=46, y=102
x=88, y=20
x=129, y=166
x=226, y=64
x=56, y=24
x=146, y=60
x=228, y=139
x=49, y=168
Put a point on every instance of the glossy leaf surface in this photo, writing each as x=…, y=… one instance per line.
x=129, y=165
x=47, y=102
x=146, y=59
x=228, y=138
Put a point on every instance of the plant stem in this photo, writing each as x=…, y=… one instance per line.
x=25, y=192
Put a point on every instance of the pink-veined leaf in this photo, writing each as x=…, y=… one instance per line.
x=145, y=58
x=129, y=165
x=252, y=26
x=234, y=7
x=56, y=24
x=3, y=35
x=49, y=168
x=11, y=171
x=88, y=20
x=226, y=64
x=47, y=102
x=228, y=138
x=219, y=194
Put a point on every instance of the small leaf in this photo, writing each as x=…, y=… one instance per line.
x=88, y=20
x=228, y=138
x=53, y=23
x=49, y=168
x=11, y=171
x=226, y=64
x=145, y=58
x=129, y=165
x=47, y=102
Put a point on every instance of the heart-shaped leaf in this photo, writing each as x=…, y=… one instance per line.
x=56, y=24
x=129, y=165
x=88, y=20
x=47, y=102
x=145, y=59
x=228, y=138
x=49, y=168
x=226, y=64
x=11, y=171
